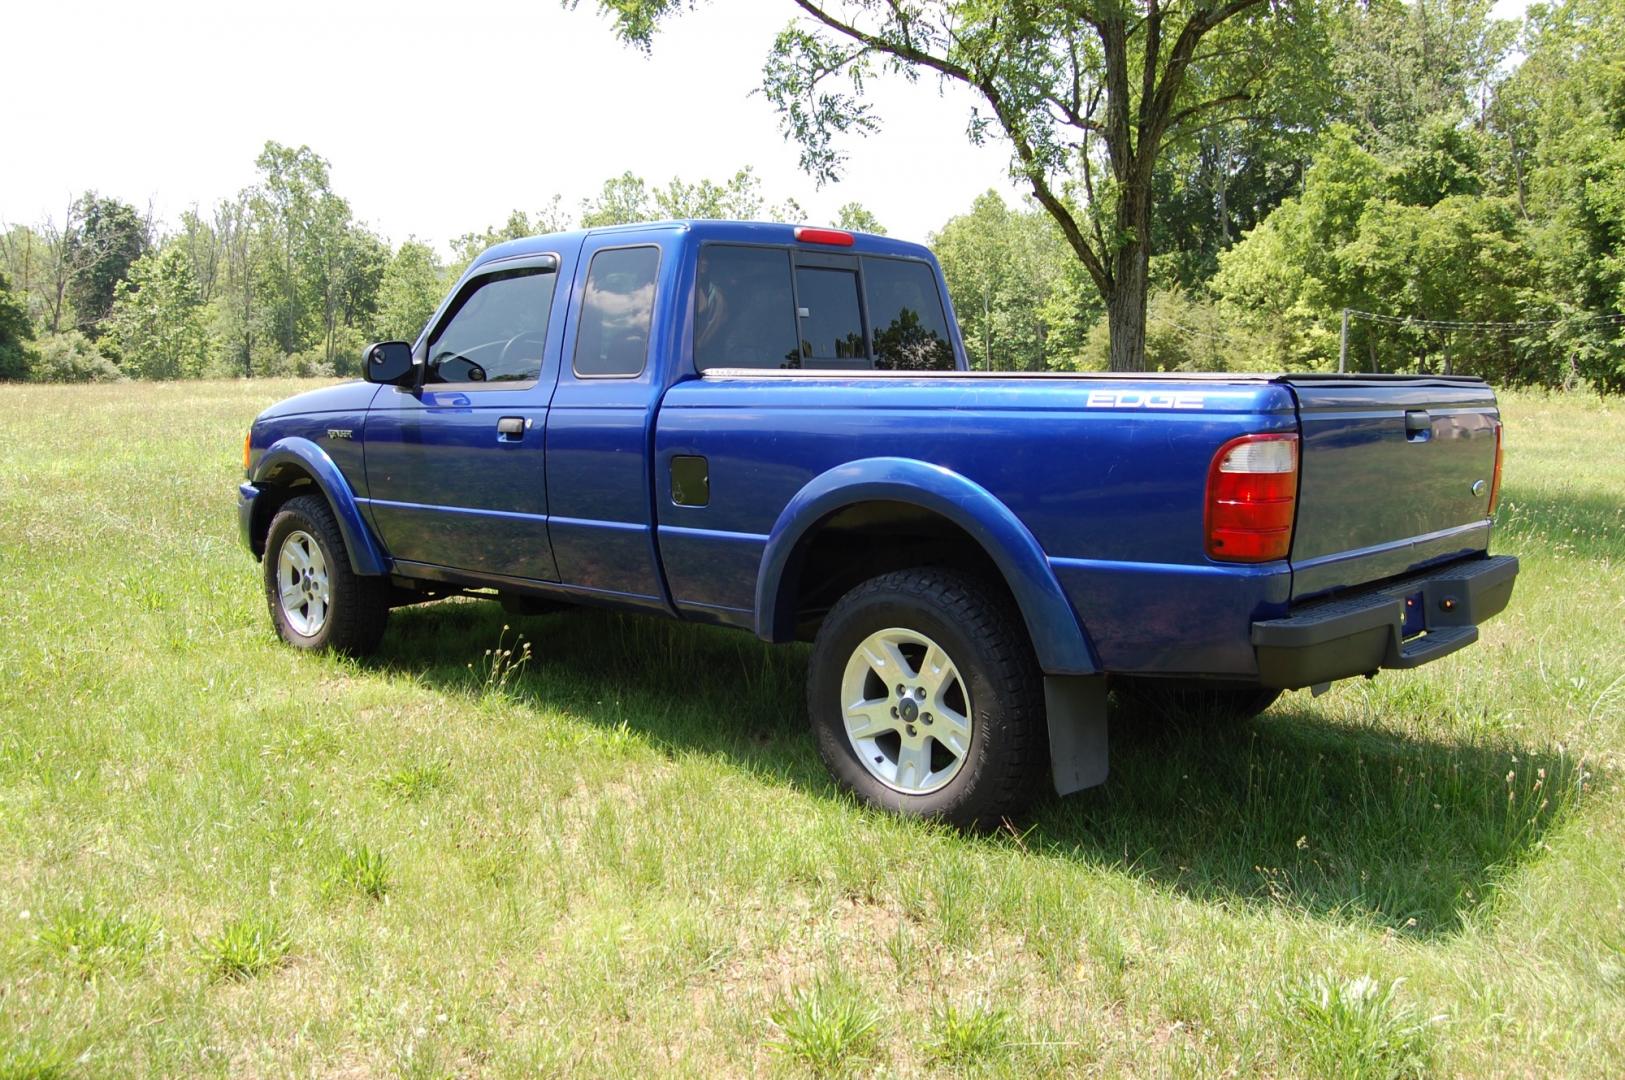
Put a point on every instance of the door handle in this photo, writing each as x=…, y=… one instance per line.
x=511, y=427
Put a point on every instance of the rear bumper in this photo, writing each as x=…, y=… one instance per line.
x=1360, y=632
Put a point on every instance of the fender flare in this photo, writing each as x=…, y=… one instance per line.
x=303, y=455
x=1058, y=637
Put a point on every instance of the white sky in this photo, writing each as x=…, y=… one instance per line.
x=440, y=118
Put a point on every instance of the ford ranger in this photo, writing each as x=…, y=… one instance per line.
x=775, y=428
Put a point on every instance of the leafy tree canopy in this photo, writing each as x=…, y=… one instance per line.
x=1089, y=95
x=157, y=327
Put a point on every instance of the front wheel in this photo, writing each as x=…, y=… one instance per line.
x=317, y=602
x=926, y=698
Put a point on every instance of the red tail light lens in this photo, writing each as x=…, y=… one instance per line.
x=1252, y=494
x=834, y=237
x=1495, y=477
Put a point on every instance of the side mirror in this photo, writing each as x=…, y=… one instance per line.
x=388, y=362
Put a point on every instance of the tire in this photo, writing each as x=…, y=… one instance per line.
x=1195, y=700
x=317, y=602
x=911, y=753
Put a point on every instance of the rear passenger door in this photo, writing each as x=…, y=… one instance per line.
x=600, y=425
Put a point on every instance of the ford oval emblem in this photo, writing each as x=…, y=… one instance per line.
x=1478, y=487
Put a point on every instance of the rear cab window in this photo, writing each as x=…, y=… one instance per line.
x=773, y=307
x=617, y=308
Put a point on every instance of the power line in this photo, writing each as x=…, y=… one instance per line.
x=1481, y=327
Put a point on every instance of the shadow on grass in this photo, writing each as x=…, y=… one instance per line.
x=1343, y=822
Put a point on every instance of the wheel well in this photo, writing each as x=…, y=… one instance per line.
x=863, y=541
x=282, y=485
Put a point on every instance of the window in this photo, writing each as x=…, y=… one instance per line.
x=744, y=309
x=831, y=325
x=616, y=311
x=496, y=330
x=911, y=332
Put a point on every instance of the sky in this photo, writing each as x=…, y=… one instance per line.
x=438, y=119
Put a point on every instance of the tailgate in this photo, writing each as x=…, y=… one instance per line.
x=1395, y=474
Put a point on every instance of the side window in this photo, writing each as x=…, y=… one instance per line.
x=831, y=324
x=744, y=309
x=616, y=311
x=496, y=331
x=911, y=332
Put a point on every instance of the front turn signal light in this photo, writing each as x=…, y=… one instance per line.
x=246, y=439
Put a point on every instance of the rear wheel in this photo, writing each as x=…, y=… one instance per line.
x=316, y=600
x=925, y=698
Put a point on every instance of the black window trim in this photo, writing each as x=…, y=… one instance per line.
x=575, y=346
x=545, y=262
x=827, y=259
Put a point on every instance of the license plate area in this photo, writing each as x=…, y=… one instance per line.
x=1415, y=616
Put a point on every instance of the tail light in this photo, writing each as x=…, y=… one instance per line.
x=1252, y=493
x=1495, y=477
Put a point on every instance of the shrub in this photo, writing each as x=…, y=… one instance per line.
x=72, y=358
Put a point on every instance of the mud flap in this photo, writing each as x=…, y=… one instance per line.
x=1076, y=705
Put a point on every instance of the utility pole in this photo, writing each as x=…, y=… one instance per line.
x=1343, y=344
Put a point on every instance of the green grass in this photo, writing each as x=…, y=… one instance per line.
x=617, y=853
x=245, y=948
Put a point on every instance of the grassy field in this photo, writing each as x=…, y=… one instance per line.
x=622, y=856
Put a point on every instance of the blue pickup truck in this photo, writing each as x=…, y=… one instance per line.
x=775, y=428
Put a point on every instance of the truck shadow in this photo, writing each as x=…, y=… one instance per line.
x=1350, y=823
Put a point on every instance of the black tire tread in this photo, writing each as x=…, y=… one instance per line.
x=360, y=609
x=1015, y=752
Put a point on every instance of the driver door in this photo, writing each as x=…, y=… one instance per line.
x=456, y=473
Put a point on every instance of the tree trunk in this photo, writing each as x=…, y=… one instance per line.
x=1131, y=266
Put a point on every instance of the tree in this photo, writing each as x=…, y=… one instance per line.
x=627, y=198
x=110, y=237
x=1092, y=89
x=1561, y=117
x=550, y=219
x=1398, y=63
x=23, y=259
x=622, y=200
x=857, y=217
x=157, y=324
x=1007, y=273
x=238, y=313
x=1407, y=238
x=16, y=331
x=1212, y=189
x=410, y=291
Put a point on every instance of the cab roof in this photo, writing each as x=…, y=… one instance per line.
x=703, y=230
